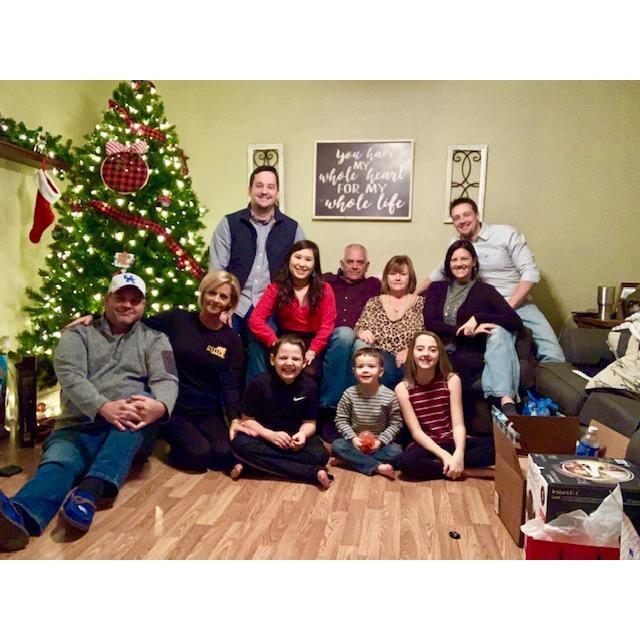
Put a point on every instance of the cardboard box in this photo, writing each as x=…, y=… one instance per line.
x=519, y=436
x=557, y=484
x=514, y=439
x=612, y=443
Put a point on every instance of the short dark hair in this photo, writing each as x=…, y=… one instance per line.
x=454, y=246
x=264, y=167
x=393, y=266
x=458, y=201
x=289, y=339
x=368, y=351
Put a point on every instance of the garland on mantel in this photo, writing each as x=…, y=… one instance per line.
x=36, y=140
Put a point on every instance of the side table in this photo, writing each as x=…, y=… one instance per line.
x=589, y=319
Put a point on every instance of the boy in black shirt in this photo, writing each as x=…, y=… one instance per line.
x=279, y=413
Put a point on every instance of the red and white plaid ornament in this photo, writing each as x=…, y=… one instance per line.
x=124, y=169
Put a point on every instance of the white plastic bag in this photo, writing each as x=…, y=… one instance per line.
x=598, y=529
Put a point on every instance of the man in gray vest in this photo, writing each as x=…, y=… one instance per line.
x=251, y=243
x=117, y=378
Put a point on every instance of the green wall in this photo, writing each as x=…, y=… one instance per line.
x=562, y=166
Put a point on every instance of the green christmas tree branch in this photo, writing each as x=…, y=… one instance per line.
x=80, y=262
x=35, y=139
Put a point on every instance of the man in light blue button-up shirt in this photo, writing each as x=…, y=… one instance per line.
x=507, y=263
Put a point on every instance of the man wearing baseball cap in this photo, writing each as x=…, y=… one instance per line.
x=117, y=378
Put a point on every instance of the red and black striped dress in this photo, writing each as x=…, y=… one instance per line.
x=432, y=407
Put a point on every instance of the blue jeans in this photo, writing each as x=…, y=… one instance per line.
x=501, y=373
x=366, y=463
x=338, y=374
x=257, y=357
x=96, y=449
x=549, y=349
x=392, y=373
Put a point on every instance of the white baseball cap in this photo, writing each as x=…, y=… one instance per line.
x=127, y=280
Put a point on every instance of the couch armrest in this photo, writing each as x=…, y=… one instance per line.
x=585, y=345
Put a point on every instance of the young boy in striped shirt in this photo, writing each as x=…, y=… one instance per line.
x=368, y=406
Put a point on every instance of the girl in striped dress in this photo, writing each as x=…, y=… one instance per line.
x=430, y=398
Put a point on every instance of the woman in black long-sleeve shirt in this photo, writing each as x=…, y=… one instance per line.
x=208, y=357
x=463, y=311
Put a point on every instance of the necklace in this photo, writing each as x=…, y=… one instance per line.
x=394, y=307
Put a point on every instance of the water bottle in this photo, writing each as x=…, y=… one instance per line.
x=588, y=445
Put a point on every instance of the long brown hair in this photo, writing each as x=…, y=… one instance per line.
x=443, y=366
x=286, y=293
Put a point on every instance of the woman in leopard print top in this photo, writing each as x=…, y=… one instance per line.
x=391, y=320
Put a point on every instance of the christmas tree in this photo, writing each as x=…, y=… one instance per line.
x=129, y=194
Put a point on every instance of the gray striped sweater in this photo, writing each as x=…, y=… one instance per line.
x=379, y=414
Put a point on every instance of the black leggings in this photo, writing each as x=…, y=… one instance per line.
x=299, y=465
x=198, y=443
x=416, y=463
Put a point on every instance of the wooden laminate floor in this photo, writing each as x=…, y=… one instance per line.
x=162, y=513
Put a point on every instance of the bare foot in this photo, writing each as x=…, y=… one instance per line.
x=387, y=471
x=234, y=474
x=323, y=479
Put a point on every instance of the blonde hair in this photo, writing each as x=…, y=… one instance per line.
x=443, y=366
x=214, y=279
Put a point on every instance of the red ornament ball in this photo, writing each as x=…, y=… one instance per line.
x=163, y=201
x=182, y=263
x=368, y=441
x=124, y=172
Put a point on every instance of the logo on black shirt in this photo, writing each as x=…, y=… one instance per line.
x=221, y=352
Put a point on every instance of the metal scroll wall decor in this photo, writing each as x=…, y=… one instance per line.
x=272, y=155
x=466, y=175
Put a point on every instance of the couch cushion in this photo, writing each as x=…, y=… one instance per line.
x=585, y=346
x=557, y=381
x=617, y=411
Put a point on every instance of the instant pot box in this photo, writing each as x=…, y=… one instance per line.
x=515, y=438
x=557, y=484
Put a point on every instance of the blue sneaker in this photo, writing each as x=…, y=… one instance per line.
x=78, y=508
x=13, y=534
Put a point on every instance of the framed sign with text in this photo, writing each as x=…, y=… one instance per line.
x=363, y=180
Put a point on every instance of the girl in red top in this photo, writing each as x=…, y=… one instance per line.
x=430, y=398
x=303, y=304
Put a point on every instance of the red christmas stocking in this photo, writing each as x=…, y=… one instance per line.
x=43, y=215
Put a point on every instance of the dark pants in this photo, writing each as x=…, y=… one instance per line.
x=298, y=465
x=417, y=463
x=198, y=443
